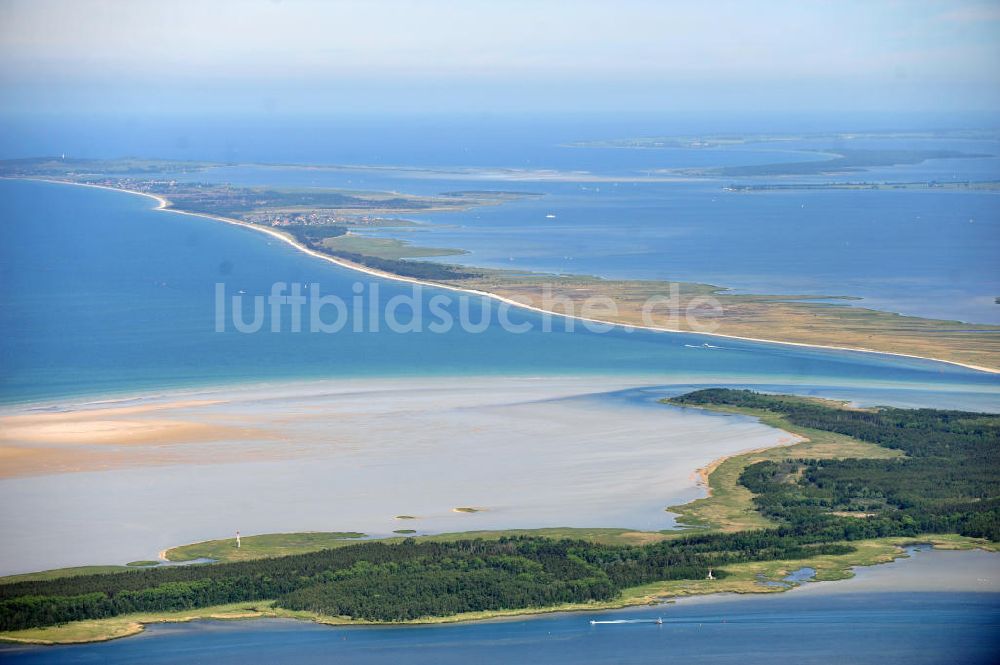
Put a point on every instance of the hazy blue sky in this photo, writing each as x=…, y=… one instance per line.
x=474, y=55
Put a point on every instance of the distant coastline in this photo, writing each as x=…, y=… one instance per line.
x=163, y=204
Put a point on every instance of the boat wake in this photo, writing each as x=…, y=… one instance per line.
x=657, y=620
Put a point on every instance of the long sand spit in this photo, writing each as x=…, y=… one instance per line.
x=164, y=204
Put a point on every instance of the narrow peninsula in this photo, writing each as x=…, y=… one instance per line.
x=331, y=224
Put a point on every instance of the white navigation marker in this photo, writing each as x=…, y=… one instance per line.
x=237, y=539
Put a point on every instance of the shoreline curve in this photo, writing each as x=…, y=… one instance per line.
x=164, y=204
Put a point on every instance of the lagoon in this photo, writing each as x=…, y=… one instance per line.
x=922, y=252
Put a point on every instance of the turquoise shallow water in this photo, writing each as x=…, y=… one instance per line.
x=103, y=295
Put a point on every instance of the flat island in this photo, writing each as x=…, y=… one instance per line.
x=861, y=485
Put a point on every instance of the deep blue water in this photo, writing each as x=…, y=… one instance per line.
x=101, y=294
x=877, y=628
x=405, y=138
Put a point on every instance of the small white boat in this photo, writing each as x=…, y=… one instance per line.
x=657, y=620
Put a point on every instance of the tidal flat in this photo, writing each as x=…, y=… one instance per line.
x=354, y=455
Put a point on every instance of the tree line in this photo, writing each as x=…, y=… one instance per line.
x=948, y=482
x=399, y=581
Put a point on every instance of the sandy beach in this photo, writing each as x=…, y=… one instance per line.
x=99, y=438
x=164, y=204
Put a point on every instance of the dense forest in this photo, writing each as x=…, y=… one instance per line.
x=948, y=482
x=408, y=580
x=415, y=269
x=311, y=235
